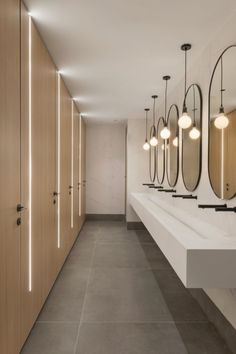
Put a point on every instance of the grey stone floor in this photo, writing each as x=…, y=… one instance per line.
x=117, y=294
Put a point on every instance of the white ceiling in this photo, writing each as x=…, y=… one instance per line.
x=113, y=53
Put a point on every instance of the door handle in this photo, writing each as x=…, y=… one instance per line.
x=20, y=208
x=55, y=194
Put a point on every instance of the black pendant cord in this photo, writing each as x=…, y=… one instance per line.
x=146, y=110
x=185, y=47
x=154, y=110
x=146, y=125
x=221, y=85
x=166, y=102
x=194, y=107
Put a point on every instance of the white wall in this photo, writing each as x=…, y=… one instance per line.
x=105, y=168
x=200, y=73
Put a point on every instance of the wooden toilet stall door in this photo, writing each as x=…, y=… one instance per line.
x=9, y=176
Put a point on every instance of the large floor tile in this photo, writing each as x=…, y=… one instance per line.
x=51, y=338
x=202, y=338
x=130, y=339
x=80, y=256
x=120, y=255
x=124, y=294
x=66, y=299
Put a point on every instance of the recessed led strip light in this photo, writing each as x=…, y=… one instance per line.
x=72, y=164
x=80, y=164
x=30, y=154
x=58, y=159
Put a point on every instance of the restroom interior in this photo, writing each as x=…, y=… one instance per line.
x=117, y=220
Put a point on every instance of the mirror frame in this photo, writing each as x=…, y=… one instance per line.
x=209, y=117
x=200, y=147
x=152, y=148
x=177, y=175
x=161, y=180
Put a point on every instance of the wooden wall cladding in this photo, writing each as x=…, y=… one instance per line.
x=29, y=140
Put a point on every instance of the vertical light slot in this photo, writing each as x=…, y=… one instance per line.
x=72, y=164
x=222, y=163
x=80, y=165
x=30, y=153
x=58, y=160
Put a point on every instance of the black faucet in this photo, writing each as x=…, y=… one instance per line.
x=190, y=196
x=167, y=190
x=178, y=195
x=211, y=206
x=147, y=184
x=233, y=209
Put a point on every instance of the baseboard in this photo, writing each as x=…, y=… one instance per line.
x=224, y=327
x=135, y=225
x=105, y=217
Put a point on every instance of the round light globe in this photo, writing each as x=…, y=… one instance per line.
x=146, y=146
x=194, y=133
x=221, y=122
x=165, y=133
x=175, y=141
x=153, y=141
x=185, y=121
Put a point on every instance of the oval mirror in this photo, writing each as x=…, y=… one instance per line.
x=222, y=125
x=160, y=151
x=172, y=146
x=192, y=139
x=152, y=158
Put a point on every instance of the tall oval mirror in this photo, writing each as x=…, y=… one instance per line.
x=152, y=157
x=222, y=125
x=192, y=139
x=172, y=146
x=160, y=152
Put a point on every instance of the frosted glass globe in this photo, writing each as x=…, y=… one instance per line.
x=165, y=133
x=221, y=122
x=185, y=121
x=175, y=141
x=153, y=141
x=146, y=146
x=194, y=133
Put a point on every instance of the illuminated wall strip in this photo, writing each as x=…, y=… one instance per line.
x=80, y=166
x=58, y=160
x=72, y=164
x=222, y=164
x=30, y=154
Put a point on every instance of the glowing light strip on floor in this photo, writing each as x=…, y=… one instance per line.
x=222, y=163
x=72, y=164
x=58, y=159
x=30, y=153
x=80, y=165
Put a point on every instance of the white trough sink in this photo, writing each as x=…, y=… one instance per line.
x=201, y=255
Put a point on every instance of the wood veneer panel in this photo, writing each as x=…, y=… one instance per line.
x=9, y=175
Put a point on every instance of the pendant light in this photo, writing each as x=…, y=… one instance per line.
x=194, y=132
x=185, y=120
x=153, y=141
x=165, y=132
x=222, y=121
x=146, y=145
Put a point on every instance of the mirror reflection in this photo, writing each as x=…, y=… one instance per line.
x=172, y=146
x=160, y=152
x=191, y=139
x=152, y=157
x=222, y=125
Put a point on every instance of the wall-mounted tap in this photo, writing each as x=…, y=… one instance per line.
x=233, y=209
x=190, y=196
x=211, y=206
x=159, y=187
x=147, y=184
x=167, y=190
x=178, y=195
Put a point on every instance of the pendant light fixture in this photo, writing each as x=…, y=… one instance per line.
x=146, y=145
x=185, y=120
x=165, y=132
x=222, y=121
x=194, y=132
x=153, y=141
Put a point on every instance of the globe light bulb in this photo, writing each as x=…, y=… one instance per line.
x=146, y=146
x=175, y=141
x=185, y=121
x=153, y=141
x=194, y=133
x=222, y=121
x=165, y=133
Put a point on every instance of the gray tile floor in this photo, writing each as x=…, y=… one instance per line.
x=117, y=294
